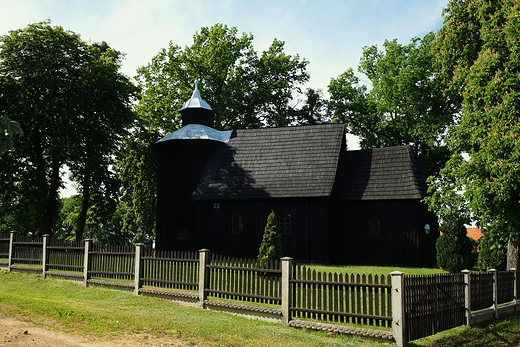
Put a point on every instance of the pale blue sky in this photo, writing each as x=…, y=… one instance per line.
x=330, y=34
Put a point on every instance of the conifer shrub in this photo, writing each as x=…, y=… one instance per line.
x=271, y=246
x=454, y=249
x=492, y=254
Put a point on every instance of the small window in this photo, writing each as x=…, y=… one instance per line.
x=216, y=206
x=181, y=234
x=284, y=224
x=237, y=226
x=374, y=226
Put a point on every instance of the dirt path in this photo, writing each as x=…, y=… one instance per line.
x=16, y=333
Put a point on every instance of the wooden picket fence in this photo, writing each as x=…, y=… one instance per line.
x=394, y=307
x=342, y=298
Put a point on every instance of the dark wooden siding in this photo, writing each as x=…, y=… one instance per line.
x=180, y=166
x=402, y=239
x=213, y=228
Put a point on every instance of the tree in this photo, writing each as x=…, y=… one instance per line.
x=106, y=116
x=477, y=49
x=404, y=104
x=71, y=103
x=492, y=254
x=271, y=246
x=244, y=89
x=454, y=248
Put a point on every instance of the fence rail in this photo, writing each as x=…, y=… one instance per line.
x=341, y=298
x=413, y=306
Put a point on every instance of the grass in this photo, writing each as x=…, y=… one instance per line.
x=501, y=332
x=67, y=306
x=373, y=270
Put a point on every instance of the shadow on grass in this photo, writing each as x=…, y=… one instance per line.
x=501, y=332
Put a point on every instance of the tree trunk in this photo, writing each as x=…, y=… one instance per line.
x=51, y=206
x=513, y=252
x=82, y=217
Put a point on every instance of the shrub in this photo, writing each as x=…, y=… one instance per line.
x=492, y=254
x=271, y=247
x=454, y=249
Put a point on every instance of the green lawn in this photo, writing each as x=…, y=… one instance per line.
x=67, y=306
x=373, y=270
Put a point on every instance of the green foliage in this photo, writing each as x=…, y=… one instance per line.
x=8, y=128
x=454, y=248
x=477, y=50
x=244, y=89
x=492, y=253
x=403, y=105
x=74, y=107
x=271, y=246
x=103, y=223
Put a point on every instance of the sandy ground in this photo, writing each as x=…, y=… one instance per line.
x=14, y=333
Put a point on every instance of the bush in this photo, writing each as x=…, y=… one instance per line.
x=455, y=250
x=271, y=247
x=492, y=254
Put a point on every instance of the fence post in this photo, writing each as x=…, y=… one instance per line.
x=467, y=295
x=86, y=262
x=45, y=254
x=515, y=288
x=398, y=309
x=138, y=267
x=203, y=275
x=287, y=267
x=495, y=291
x=11, y=250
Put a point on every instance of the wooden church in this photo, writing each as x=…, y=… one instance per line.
x=216, y=189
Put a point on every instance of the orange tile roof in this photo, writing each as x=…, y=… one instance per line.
x=474, y=233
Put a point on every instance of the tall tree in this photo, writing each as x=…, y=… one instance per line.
x=478, y=52
x=55, y=85
x=106, y=116
x=244, y=89
x=403, y=104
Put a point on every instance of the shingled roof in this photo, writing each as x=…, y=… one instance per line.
x=380, y=174
x=274, y=163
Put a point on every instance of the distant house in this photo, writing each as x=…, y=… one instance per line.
x=216, y=189
x=474, y=233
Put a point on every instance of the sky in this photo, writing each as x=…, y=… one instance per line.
x=330, y=34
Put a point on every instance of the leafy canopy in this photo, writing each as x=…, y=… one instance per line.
x=403, y=105
x=477, y=49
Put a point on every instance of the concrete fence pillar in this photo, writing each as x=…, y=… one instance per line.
x=86, y=261
x=467, y=295
x=203, y=275
x=515, y=288
x=398, y=309
x=138, y=267
x=11, y=250
x=495, y=291
x=287, y=269
x=45, y=254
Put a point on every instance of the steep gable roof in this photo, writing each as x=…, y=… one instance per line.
x=380, y=174
x=274, y=163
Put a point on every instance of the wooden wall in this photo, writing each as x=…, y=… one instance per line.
x=402, y=239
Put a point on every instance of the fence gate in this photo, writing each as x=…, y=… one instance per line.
x=433, y=303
